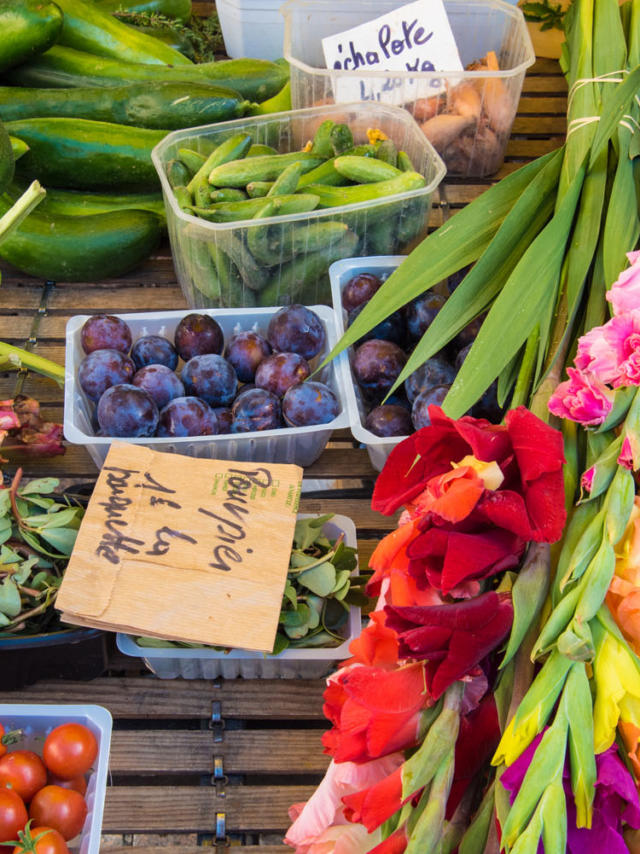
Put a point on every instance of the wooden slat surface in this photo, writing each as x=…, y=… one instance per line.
x=160, y=800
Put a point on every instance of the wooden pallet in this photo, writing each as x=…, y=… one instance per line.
x=161, y=796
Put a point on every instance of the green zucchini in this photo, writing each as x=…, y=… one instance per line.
x=18, y=147
x=73, y=203
x=87, y=155
x=255, y=79
x=169, y=36
x=166, y=106
x=7, y=163
x=84, y=27
x=280, y=103
x=179, y=9
x=80, y=249
x=239, y=173
x=28, y=27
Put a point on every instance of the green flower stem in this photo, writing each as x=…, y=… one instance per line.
x=31, y=197
x=15, y=358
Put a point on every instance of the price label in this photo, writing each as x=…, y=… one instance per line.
x=416, y=37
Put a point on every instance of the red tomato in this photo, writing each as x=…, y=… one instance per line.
x=79, y=784
x=24, y=772
x=62, y=809
x=69, y=750
x=50, y=842
x=13, y=815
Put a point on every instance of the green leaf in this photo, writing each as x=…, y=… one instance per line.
x=298, y=560
x=52, y=520
x=39, y=485
x=622, y=224
x=342, y=576
x=307, y=530
x=300, y=617
x=516, y=310
x=280, y=644
x=613, y=110
x=25, y=570
x=290, y=594
x=475, y=836
x=62, y=539
x=345, y=558
x=320, y=580
x=485, y=280
x=458, y=242
x=5, y=502
x=10, y=604
x=41, y=580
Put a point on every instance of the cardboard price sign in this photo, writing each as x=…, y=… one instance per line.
x=184, y=548
x=415, y=37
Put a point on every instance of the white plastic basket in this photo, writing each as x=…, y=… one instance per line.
x=478, y=26
x=298, y=445
x=251, y=28
x=378, y=447
x=209, y=663
x=37, y=721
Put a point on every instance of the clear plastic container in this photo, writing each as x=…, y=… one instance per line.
x=378, y=447
x=37, y=721
x=251, y=28
x=382, y=225
x=480, y=105
x=209, y=663
x=299, y=445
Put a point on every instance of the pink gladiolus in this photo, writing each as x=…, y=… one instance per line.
x=586, y=481
x=626, y=455
x=612, y=352
x=624, y=294
x=325, y=808
x=582, y=398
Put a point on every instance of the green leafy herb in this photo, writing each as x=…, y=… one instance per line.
x=201, y=36
x=37, y=534
x=548, y=15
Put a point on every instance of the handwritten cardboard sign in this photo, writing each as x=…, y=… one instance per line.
x=415, y=37
x=184, y=548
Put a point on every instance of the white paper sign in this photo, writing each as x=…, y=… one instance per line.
x=415, y=37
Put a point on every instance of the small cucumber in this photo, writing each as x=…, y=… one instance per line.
x=258, y=189
x=233, y=292
x=322, y=140
x=380, y=237
x=239, y=173
x=280, y=243
x=232, y=148
x=253, y=276
x=387, y=152
x=287, y=182
x=365, y=170
x=227, y=194
x=201, y=196
x=201, y=273
x=193, y=160
x=237, y=211
x=183, y=198
x=258, y=150
x=80, y=248
x=341, y=139
x=303, y=273
x=177, y=174
x=333, y=196
x=326, y=173
x=404, y=162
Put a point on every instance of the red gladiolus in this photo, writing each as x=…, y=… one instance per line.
x=373, y=711
x=394, y=844
x=454, y=638
x=377, y=644
x=529, y=503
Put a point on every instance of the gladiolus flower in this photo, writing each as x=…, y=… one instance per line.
x=373, y=806
x=617, y=682
x=631, y=738
x=313, y=821
x=454, y=638
x=394, y=844
x=615, y=804
x=377, y=644
x=373, y=711
x=624, y=294
x=586, y=481
x=626, y=457
x=582, y=398
x=612, y=352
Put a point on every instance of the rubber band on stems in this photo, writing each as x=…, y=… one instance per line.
x=609, y=77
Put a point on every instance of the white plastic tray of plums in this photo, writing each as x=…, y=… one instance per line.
x=134, y=378
x=372, y=366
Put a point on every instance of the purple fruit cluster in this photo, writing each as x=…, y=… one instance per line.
x=380, y=356
x=256, y=382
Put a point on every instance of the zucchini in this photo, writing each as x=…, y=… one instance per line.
x=28, y=27
x=179, y=9
x=7, y=163
x=166, y=106
x=73, y=203
x=87, y=155
x=80, y=248
x=84, y=27
x=255, y=79
x=280, y=103
x=169, y=36
x=18, y=147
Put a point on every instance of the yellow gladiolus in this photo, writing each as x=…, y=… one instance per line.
x=617, y=681
x=628, y=548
